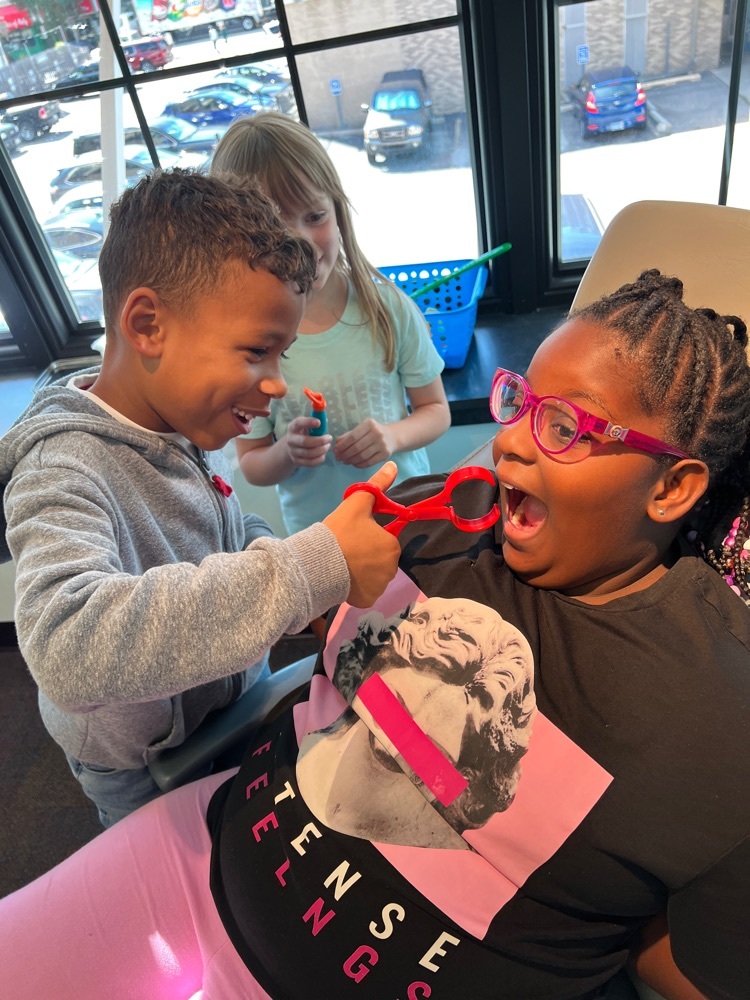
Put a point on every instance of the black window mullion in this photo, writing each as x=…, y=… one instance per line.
x=738, y=52
x=33, y=312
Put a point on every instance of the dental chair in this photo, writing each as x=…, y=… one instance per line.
x=221, y=737
x=706, y=246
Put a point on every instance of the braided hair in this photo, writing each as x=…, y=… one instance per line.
x=696, y=375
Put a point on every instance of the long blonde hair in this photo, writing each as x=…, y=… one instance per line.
x=288, y=160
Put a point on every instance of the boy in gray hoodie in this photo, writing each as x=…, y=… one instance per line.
x=144, y=598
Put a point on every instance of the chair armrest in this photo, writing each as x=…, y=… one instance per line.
x=223, y=729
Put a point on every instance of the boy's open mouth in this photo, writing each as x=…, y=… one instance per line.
x=242, y=418
x=523, y=511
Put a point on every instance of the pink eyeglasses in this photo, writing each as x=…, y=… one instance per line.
x=560, y=428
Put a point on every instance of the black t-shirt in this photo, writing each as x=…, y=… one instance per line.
x=489, y=788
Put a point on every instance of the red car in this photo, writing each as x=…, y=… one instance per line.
x=148, y=54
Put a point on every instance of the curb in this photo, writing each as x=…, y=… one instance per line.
x=662, y=125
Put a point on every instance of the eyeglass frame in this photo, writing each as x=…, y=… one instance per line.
x=585, y=422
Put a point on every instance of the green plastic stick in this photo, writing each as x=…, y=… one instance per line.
x=503, y=248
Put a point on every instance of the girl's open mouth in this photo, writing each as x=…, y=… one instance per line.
x=523, y=514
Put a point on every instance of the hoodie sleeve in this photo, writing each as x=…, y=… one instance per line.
x=93, y=633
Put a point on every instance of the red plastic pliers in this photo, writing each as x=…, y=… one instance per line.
x=438, y=507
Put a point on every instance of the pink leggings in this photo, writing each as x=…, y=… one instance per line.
x=130, y=915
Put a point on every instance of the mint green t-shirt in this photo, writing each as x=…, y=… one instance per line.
x=347, y=365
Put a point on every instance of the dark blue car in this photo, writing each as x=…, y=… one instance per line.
x=212, y=107
x=608, y=100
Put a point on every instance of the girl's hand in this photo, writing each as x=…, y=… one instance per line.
x=368, y=443
x=304, y=448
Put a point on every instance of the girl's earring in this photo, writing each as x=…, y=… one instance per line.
x=661, y=512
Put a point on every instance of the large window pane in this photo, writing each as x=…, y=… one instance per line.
x=46, y=46
x=400, y=145
x=644, y=91
x=61, y=171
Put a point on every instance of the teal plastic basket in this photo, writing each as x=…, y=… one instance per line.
x=450, y=309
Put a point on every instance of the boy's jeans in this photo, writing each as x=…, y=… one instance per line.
x=115, y=793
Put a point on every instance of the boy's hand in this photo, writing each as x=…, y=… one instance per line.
x=370, y=551
x=304, y=448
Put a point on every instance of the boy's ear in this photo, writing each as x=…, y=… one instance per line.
x=142, y=322
x=678, y=490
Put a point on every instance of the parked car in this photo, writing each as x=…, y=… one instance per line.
x=35, y=121
x=79, y=232
x=10, y=136
x=167, y=132
x=212, y=107
x=244, y=87
x=280, y=97
x=148, y=54
x=263, y=72
x=277, y=96
x=581, y=227
x=608, y=100
x=87, y=73
x=399, y=115
x=88, y=167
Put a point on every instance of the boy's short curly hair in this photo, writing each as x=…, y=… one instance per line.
x=176, y=229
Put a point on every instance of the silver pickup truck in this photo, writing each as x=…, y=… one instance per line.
x=399, y=117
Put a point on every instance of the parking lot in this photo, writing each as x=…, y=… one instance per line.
x=421, y=207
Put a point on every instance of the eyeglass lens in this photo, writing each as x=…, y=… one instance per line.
x=555, y=423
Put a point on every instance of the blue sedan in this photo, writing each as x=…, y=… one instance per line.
x=213, y=107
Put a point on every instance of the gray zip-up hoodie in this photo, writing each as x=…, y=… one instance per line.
x=143, y=598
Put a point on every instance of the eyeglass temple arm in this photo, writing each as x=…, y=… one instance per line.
x=625, y=436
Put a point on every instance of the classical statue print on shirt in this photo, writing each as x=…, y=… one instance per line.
x=442, y=693
x=423, y=737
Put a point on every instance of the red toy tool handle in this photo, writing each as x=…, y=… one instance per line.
x=434, y=507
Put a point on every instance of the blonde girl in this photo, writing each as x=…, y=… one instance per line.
x=363, y=344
